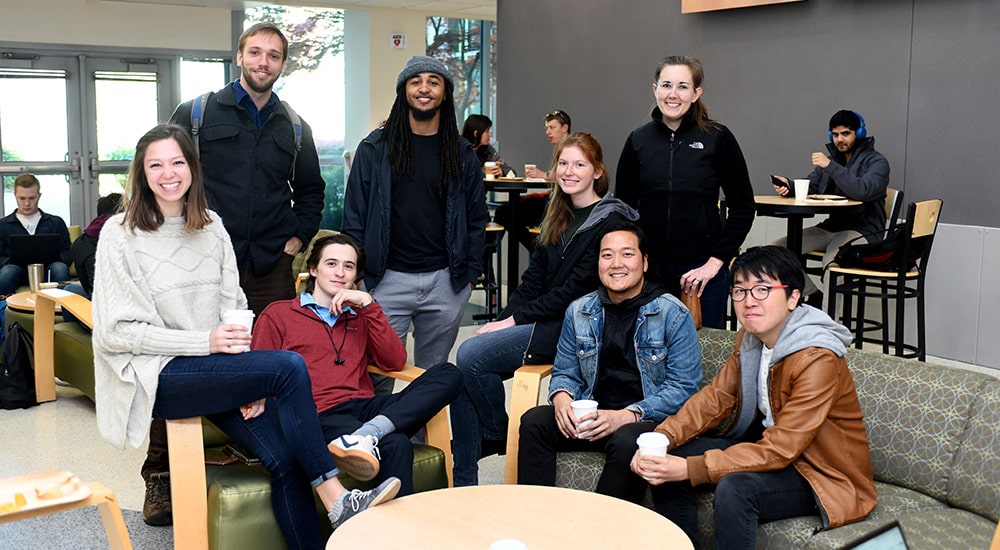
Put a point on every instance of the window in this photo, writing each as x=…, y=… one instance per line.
x=468, y=48
x=313, y=84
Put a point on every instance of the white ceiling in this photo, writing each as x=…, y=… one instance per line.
x=471, y=9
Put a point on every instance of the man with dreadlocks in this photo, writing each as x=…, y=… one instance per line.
x=416, y=202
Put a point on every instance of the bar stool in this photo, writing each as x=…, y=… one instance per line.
x=905, y=280
x=490, y=281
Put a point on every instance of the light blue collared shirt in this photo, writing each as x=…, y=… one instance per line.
x=323, y=312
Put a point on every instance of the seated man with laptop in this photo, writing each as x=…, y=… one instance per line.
x=30, y=236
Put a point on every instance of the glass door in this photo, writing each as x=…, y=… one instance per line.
x=74, y=121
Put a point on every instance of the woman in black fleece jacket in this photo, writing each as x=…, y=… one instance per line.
x=671, y=170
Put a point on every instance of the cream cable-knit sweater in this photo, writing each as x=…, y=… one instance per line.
x=157, y=295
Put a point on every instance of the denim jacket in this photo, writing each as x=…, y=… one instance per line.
x=666, y=347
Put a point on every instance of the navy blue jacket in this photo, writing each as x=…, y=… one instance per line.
x=247, y=177
x=49, y=224
x=368, y=211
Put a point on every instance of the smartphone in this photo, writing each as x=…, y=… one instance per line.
x=778, y=182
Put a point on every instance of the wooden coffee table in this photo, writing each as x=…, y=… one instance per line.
x=540, y=517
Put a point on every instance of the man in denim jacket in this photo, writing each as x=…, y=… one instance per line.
x=629, y=346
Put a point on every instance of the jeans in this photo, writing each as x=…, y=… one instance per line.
x=287, y=437
x=13, y=276
x=428, y=302
x=742, y=499
x=486, y=361
x=541, y=441
x=408, y=409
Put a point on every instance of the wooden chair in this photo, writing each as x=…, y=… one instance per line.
x=491, y=278
x=905, y=281
x=893, y=208
x=187, y=466
x=44, y=334
x=995, y=545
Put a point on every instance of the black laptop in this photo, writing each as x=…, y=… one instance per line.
x=34, y=249
x=887, y=537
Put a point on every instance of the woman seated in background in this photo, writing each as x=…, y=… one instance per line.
x=477, y=130
x=563, y=267
x=165, y=274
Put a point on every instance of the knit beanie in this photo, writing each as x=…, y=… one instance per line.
x=422, y=64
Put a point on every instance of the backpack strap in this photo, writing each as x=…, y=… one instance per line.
x=297, y=129
x=197, y=116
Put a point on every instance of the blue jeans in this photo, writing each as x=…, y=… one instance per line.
x=485, y=361
x=13, y=276
x=287, y=437
x=742, y=499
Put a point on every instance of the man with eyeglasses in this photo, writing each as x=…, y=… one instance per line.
x=779, y=431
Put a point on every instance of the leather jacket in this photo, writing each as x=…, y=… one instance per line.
x=819, y=428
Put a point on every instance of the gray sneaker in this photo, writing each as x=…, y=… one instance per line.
x=353, y=502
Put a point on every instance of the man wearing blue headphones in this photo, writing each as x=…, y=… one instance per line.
x=852, y=168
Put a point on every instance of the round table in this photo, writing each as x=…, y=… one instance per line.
x=776, y=206
x=540, y=517
x=25, y=301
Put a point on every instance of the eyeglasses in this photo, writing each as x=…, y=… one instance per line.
x=759, y=292
x=558, y=114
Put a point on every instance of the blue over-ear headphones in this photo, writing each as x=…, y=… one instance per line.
x=860, y=133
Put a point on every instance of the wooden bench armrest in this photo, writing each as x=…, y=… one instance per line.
x=523, y=396
x=44, y=343
x=438, y=427
x=188, y=486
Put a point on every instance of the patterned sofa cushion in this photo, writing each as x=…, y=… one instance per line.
x=974, y=483
x=917, y=415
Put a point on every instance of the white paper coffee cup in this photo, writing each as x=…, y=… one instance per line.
x=801, y=190
x=528, y=168
x=489, y=167
x=582, y=407
x=652, y=444
x=239, y=317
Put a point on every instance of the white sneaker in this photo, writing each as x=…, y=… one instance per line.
x=356, y=455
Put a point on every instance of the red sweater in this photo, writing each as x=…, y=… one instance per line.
x=286, y=325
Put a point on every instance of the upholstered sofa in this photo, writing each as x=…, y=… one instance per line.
x=934, y=433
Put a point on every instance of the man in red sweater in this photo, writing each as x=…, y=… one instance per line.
x=339, y=330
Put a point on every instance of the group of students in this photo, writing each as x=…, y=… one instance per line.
x=302, y=400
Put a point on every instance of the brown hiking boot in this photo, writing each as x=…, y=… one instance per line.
x=156, y=508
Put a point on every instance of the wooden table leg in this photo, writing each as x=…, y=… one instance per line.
x=45, y=376
x=111, y=515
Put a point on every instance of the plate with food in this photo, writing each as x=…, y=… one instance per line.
x=827, y=198
x=41, y=490
x=510, y=179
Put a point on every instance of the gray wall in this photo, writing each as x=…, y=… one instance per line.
x=923, y=73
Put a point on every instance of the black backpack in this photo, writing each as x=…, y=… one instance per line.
x=17, y=383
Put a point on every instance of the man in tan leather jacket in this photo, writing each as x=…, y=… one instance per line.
x=779, y=431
